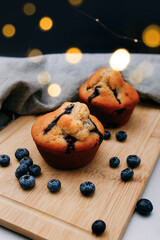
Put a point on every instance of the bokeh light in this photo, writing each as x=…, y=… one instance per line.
x=35, y=55
x=136, y=76
x=54, y=90
x=143, y=70
x=151, y=36
x=8, y=30
x=45, y=23
x=146, y=68
x=29, y=9
x=75, y=3
x=73, y=55
x=119, y=59
x=44, y=77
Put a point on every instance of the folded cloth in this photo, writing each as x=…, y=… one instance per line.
x=26, y=85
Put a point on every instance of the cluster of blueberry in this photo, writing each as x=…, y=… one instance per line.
x=133, y=161
x=26, y=181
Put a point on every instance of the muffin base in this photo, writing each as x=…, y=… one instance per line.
x=67, y=161
x=111, y=119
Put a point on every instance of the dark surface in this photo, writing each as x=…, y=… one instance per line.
x=73, y=29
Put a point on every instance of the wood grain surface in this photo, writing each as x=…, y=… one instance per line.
x=39, y=214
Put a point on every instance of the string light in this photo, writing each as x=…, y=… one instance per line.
x=46, y=23
x=73, y=55
x=54, y=90
x=29, y=9
x=8, y=30
x=119, y=59
x=107, y=28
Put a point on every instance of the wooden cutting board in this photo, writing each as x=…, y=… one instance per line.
x=39, y=214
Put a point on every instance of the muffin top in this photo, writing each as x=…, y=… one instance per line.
x=70, y=125
x=107, y=88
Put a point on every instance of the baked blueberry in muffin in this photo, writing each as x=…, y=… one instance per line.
x=109, y=97
x=68, y=137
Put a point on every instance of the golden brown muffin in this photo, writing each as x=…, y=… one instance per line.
x=109, y=97
x=68, y=137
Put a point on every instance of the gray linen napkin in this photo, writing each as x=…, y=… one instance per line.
x=22, y=93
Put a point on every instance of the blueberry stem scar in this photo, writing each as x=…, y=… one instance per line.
x=68, y=110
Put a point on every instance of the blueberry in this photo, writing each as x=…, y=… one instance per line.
x=144, y=207
x=27, y=182
x=35, y=170
x=107, y=135
x=133, y=161
x=28, y=161
x=21, y=170
x=121, y=136
x=54, y=185
x=21, y=153
x=87, y=188
x=4, y=160
x=127, y=174
x=98, y=227
x=114, y=162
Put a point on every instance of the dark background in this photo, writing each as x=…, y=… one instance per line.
x=72, y=29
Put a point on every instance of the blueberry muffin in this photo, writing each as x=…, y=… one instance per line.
x=109, y=97
x=68, y=137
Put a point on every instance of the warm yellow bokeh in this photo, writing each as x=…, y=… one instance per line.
x=73, y=55
x=75, y=2
x=119, y=59
x=8, y=30
x=44, y=77
x=35, y=55
x=29, y=9
x=151, y=36
x=54, y=90
x=45, y=23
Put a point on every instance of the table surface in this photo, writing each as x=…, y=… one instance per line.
x=139, y=227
